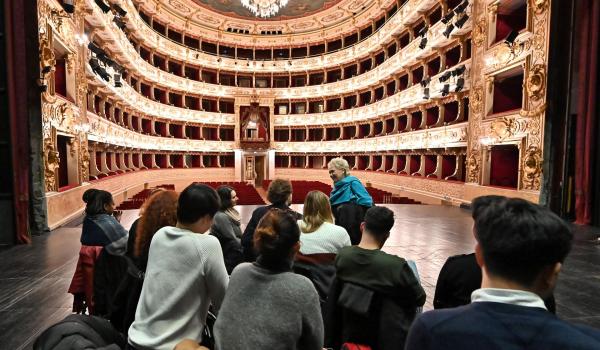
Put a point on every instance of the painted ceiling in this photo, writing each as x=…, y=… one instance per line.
x=294, y=8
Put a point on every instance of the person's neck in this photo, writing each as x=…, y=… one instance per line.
x=488, y=281
x=190, y=228
x=369, y=243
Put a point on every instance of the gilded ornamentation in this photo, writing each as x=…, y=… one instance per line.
x=539, y=6
x=533, y=113
x=47, y=57
x=536, y=82
x=476, y=99
x=502, y=128
x=51, y=163
x=480, y=32
x=532, y=168
x=473, y=167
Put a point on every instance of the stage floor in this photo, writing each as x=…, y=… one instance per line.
x=34, y=279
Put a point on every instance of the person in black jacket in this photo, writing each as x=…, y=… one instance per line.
x=279, y=194
x=520, y=247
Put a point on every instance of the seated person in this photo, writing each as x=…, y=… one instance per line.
x=349, y=198
x=459, y=277
x=318, y=233
x=279, y=194
x=369, y=271
x=121, y=292
x=226, y=227
x=267, y=306
x=185, y=274
x=520, y=248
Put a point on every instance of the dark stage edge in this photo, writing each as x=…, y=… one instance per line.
x=34, y=279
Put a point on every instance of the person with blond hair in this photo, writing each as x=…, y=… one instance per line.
x=319, y=234
x=349, y=198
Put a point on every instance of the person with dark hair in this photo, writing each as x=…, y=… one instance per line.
x=267, y=306
x=226, y=227
x=520, y=247
x=349, y=198
x=279, y=194
x=184, y=276
x=366, y=271
x=101, y=231
x=118, y=280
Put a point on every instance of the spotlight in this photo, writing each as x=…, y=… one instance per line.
x=461, y=8
x=426, y=93
x=423, y=43
x=94, y=64
x=511, y=37
x=445, y=77
x=445, y=90
x=447, y=17
x=103, y=6
x=461, y=21
x=46, y=69
x=119, y=22
x=96, y=50
x=117, y=79
x=69, y=6
x=422, y=31
x=448, y=30
x=119, y=10
x=458, y=71
x=460, y=83
x=425, y=82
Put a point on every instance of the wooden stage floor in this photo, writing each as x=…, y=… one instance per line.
x=34, y=279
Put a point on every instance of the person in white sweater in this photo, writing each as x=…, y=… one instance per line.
x=319, y=234
x=185, y=275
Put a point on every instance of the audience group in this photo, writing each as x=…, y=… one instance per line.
x=318, y=279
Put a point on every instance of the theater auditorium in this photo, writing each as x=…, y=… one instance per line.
x=297, y=144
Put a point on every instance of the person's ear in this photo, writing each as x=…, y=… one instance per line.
x=362, y=227
x=479, y=255
x=550, y=276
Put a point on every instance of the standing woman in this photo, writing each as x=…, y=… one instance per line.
x=226, y=227
x=266, y=305
x=349, y=198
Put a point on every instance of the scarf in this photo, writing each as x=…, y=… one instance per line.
x=349, y=189
x=234, y=215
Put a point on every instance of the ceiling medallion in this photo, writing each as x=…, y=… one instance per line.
x=264, y=8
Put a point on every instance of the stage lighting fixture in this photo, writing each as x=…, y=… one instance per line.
x=119, y=10
x=69, y=6
x=119, y=22
x=461, y=21
x=426, y=93
x=96, y=50
x=511, y=37
x=448, y=30
x=458, y=71
x=422, y=31
x=445, y=76
x=461, y=7
x=423, y=43
x=445, y=90
x=425, y=82
x=47, y=69
x=448, y=17
x=103, y=6
x=460, y=83
x=117, y=79
x=94, y=64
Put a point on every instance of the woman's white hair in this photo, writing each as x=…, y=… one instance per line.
x=341, y=164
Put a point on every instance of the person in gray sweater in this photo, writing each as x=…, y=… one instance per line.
x=226, y=227
x=266, y=305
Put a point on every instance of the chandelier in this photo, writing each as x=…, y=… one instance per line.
x=264, y=8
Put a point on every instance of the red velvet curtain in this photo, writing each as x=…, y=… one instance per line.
x=19, y=126
x=588, y=29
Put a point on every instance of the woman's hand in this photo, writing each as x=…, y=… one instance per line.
x=117, y=214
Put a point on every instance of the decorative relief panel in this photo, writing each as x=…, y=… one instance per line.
x=451, y=136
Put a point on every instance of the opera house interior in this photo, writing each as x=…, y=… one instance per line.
x=432, y=104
